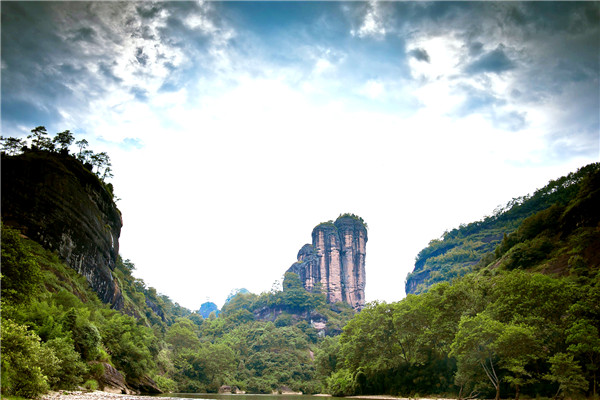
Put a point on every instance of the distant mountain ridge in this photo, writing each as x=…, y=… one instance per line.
x=457, y=252
x=207, y=308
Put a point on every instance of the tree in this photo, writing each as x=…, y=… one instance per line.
x=39, y=141
x=25, y=362
x=567, y=373
x=64, y=140
x=326, y=357
x=294, y=294
x=12, y=145
x=518, y=346
x=583, y=340
x=82, y=144
x=182, y=335
x=21, y=274
x=85, y=156
x=102, y=162
x=474, y=348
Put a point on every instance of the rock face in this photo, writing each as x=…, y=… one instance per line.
x=336, y=261
x=57, y=202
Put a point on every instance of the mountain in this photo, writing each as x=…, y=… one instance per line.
x=207, y=308
x=562, y=240
x=54, y=200
x=335, y=260
x=459, y=251
x=523, y=323
x=235, y=292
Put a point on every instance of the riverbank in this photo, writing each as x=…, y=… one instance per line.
x=96, y=395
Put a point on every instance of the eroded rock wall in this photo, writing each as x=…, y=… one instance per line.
x=55, y=201
x=336, y=260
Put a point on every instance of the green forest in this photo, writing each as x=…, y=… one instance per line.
x=523, y=321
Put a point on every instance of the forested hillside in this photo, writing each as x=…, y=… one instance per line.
x=459, y=250
x=57, y=333
x=525, y=322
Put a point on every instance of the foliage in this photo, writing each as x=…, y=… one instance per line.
x=471, y=246
x=25, y=362
x=60, y=143
x=21, y=274
x=501, y=326
x=179, y=349
x=355, y=217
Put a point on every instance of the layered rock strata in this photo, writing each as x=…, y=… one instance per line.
x=336, y=261
x=60, y=204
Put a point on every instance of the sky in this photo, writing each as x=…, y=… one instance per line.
x=236, y=127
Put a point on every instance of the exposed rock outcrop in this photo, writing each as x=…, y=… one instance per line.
x=56, y=201
x=336, y=261
x=112, y=381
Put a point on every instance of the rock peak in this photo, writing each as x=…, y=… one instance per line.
x=336, y=260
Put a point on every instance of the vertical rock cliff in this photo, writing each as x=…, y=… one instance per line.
x=336, y=260
x=55, y=201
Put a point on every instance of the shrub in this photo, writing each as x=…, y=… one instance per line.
x=341, y=383
x=22, y=361
x=91, y=384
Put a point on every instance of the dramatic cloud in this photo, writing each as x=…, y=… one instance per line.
x=420, y=54
x=494, y=61
x=235, y=127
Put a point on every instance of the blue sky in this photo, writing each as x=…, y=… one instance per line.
x=235, y=127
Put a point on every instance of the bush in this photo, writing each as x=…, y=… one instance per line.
x=91, y=385
x=22, y=360
x=21, y=274
x=70, y=369
x=165, y=384
x=341, y=383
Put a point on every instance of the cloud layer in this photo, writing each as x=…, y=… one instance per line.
x=235, y=127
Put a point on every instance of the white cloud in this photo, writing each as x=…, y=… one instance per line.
x=373, y=89
x=372, y=24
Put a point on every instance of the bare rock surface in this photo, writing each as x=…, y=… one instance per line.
x=336, y=260
x=54, y=200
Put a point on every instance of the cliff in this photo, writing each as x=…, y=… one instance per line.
x=54, y=200
x=336, y=261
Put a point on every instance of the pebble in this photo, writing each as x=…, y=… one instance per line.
x=95, y=395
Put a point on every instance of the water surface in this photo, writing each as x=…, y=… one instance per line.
x=214, y=396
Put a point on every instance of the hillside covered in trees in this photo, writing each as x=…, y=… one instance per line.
x=526, y=321
x=57, y=334
x=458, y=251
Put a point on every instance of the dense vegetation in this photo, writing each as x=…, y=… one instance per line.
x=39, y=141
x=505, y=329
x=459, y=250
x=56, y=334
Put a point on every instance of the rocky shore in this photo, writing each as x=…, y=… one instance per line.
x=95, y=395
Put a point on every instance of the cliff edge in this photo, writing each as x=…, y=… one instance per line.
x=54, y=200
